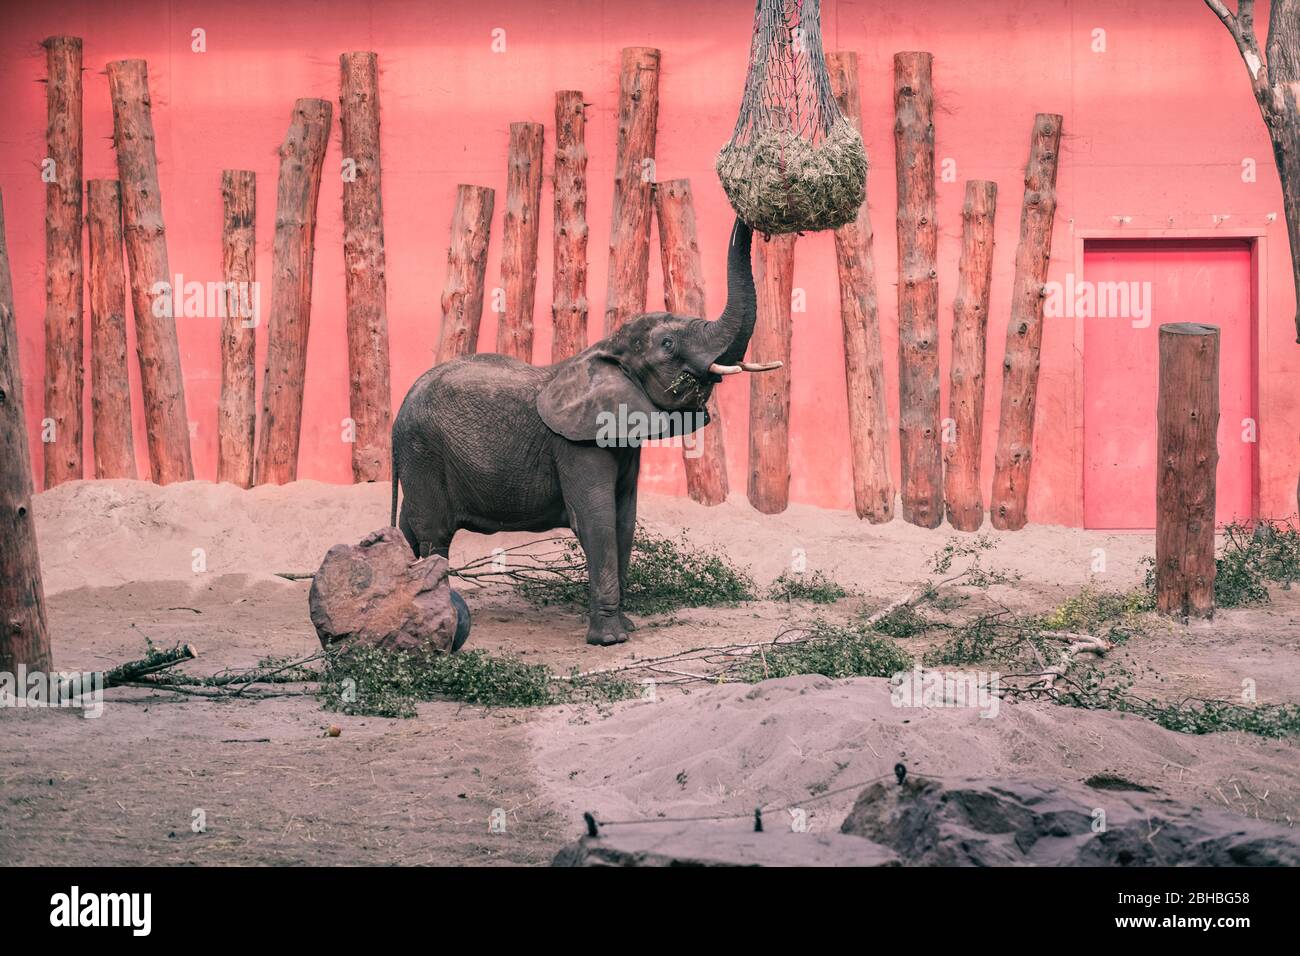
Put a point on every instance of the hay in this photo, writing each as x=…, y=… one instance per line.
x=779, y=182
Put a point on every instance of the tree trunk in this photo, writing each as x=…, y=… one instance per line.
x=1187, y=418
x=166, y=421
x=864, y=361
x=24, y=637
x=237, y=410
x=918, y=292
x=370, y=394
x=970, y=315
x=64, y=325
x=769, y=393
x=1007, y=509
x=462, y=295
x=301, y=158
x=519, y=240
x=569, y=281
x=634, y=174
x=705, y=457
x=110, y=387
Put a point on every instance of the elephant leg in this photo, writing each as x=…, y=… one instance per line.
x=426, y=529
x=588, y=477
x=625, y=503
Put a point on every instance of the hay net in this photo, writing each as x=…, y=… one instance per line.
x=794, y=162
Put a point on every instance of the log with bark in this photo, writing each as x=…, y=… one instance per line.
x=370, y=399
x=237, y=408
x=1187, y=421
x=110, y=387
x=970, y=313
x=132, y=671
x=24, y=633
x=1275, y=81
x=864, y=361
x=629, y=242
x=462, y=295
x=1009, y=503
x=569, y=275
x=705, y=458
x=519, y=228
x=167, y=423
x=64, y=280
x=918, y=292
x=769, y=394
x=301, y=157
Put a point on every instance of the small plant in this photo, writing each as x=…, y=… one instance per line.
x=903, y=621
x=832, y=650
x=814, y=587
x=375, y=682
x=1093, y=610
x=665, y=574
x=1253, y=555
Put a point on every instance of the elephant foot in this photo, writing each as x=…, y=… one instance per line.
x=604, y=631
x=626, y=622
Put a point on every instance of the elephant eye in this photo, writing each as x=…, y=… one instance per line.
x=667, y=343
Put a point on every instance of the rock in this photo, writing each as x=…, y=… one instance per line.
x=1025, y=822
x=727, y=843
x=375, y=594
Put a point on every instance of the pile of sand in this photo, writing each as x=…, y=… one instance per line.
x=788, y=742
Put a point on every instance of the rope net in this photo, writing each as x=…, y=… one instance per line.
x=794, y=162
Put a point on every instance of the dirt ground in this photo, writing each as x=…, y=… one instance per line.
x=126, y=561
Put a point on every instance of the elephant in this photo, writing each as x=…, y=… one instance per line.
x=488, y=443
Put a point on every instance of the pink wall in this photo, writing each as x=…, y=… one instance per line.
x=1156, y=129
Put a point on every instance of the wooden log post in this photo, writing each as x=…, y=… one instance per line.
x=864, y=362
x=970, y=313
x=157, y=349
x=705, y=457
x=769, y=393
x=634, y=174
x=301, y=158
x=918, y=292
x=1008, y=506
x=237, y=408
x=519, y=240
x=64, y=279
x=110, y=387
x=569, y=276
x=24, y=634
x=1187, y=419
x=462, y=295
x=370, y=398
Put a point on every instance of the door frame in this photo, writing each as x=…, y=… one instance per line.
x=1257, y=240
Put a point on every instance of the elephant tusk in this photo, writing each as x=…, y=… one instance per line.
x=760, y=366
x=717, y=369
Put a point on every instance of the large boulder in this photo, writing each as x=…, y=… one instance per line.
x=374, y=593
x=1028, y=822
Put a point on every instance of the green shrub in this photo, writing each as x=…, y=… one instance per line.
x=665, y=574
x=814, y=587
x=831, y=650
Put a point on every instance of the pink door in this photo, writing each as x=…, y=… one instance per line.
x=1134, y=282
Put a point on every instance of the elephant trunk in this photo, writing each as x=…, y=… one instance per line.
x=729, y=335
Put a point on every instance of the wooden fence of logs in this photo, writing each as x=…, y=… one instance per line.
x=127, y=213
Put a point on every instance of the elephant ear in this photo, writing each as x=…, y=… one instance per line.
x=591, y=398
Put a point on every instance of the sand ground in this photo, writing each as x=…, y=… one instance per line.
x=196, y=562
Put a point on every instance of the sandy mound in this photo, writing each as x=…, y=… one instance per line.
x=789, y=742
